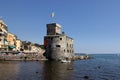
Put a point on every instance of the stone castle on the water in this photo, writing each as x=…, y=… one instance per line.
x=58, y=45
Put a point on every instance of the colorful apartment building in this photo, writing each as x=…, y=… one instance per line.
x=3, y=35
x=11, y=38
x=18, y=45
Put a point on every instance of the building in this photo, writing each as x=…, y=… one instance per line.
x=18, y=45
x=57, y=44
x=3, y=35
x=11, y=38
x=26, y=46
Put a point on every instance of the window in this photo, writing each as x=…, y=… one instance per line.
x=51, y=38
x=68, y=51
x=57, y=45
x=64, y=50
x=0, y=30
x=60, y=38
x=0, y=34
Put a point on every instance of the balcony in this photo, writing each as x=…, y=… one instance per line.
x=3, y=33
x=4, y=46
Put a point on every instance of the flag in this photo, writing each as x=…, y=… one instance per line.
x=53, y=14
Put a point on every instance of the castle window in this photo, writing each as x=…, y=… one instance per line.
x=51, y=38
x=60, y=38
x=64, y=50
x=68, y=51
x=58, y=46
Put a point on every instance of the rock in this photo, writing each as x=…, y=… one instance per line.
x=86, y=77
x=70, y=68
x=36, y=72
x=99, y=67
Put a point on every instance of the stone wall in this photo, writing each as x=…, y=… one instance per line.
x=69, y=47
x=59, y=47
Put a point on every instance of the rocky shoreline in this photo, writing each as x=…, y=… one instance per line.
x=22, y=56
x=81, y=57
x=35, y=57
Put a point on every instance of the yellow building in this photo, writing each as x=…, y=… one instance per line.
x=11, y=38
x=18, y=44
x=3, y=35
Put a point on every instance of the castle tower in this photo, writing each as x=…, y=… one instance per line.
x=58, y=46
x=53, y=29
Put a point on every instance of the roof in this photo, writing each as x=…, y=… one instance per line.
x=1, y=21
x=56, y=24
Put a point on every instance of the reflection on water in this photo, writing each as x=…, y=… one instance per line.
x=8, y=70
x=57, y=71
x=46, y=70
x=102, y=67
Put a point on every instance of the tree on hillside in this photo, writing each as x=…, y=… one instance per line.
x=38, y=45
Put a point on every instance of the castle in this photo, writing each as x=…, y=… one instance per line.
x=57, y=44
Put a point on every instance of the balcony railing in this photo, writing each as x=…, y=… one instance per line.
x=3, y=33
x=4, y=46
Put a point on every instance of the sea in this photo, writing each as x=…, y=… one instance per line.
x=99, y=67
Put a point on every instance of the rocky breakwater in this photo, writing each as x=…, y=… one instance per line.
x=81, y=57
x=76, y=57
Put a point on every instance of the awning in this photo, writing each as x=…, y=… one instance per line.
x=11, y=47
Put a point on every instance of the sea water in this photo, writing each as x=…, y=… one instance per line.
x=100, y=67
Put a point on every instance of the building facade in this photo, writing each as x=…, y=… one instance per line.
x=11, y=38
x=3, y=35
x=57, y=44
x=18, y=45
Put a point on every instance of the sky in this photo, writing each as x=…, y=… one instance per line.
x=93, y=24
